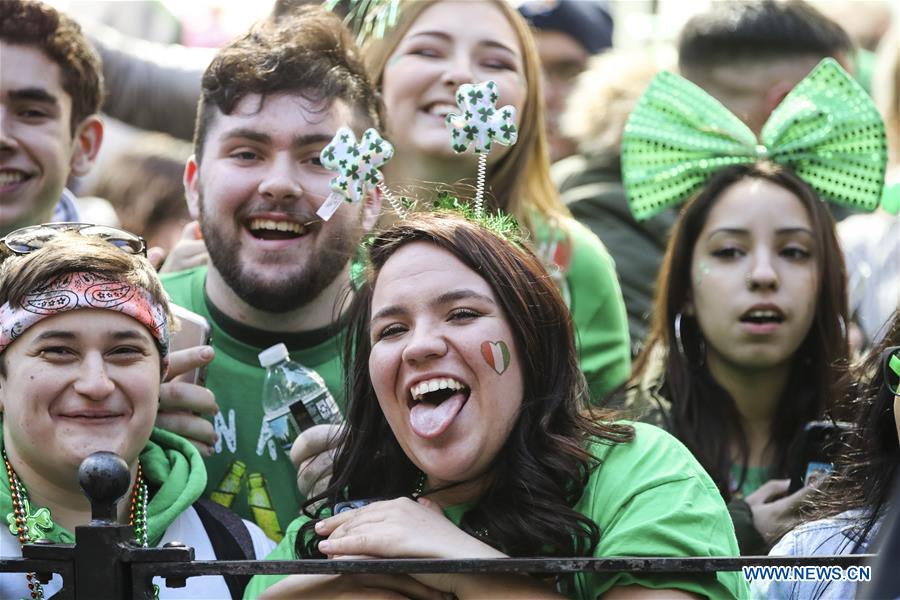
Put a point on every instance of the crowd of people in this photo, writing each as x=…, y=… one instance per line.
x=670, y=329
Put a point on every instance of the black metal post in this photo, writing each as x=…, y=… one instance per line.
x=105, y=562
x=101, y=547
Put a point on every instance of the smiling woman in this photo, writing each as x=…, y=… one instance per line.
x=467, y=418
x=84, y=338
x=418, y=65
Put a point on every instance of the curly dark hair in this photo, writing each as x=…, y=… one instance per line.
x=541, y=471
x=31, y=23
x=308, y=52
x=866, y=470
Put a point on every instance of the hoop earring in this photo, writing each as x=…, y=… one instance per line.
x=678, y=343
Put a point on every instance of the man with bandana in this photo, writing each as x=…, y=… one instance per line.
x=271, y=101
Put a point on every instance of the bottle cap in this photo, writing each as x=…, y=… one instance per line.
x=275, y=354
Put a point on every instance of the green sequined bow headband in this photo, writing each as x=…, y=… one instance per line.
x=826, y=130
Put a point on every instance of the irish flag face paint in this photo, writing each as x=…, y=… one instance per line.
x=496, y=354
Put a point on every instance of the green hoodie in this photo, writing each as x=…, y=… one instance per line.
x=174, y=473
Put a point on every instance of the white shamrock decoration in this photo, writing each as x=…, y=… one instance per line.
x=356, y=164
x=481, y=122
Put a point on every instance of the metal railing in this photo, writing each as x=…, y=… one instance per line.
x=128, y=569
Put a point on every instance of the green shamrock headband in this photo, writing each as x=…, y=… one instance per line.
x=479, y=125
x=357, y=167
x=500, y=223
x=826, y=130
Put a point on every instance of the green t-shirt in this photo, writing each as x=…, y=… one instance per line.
x=753, y=480
x=649, y=497
x=247, y=461
x=585, y=273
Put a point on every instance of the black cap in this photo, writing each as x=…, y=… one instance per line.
x=587, y=21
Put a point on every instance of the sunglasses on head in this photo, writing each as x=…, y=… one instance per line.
x=28, y=239
x=890, y=367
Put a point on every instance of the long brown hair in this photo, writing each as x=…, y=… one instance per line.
x=543, y=467
x=704, y=416
x=520, y=181
x=866, y=471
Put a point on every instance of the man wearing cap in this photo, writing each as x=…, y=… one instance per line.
x=567, y=33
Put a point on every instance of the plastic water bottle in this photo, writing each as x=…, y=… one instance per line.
x=294, y=397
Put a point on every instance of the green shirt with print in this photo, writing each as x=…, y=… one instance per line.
x=649, y=497
x=249, y=472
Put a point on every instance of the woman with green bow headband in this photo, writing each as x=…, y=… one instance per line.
x=751, y=308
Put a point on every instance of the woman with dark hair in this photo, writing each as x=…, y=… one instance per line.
x=751, y=307
x=746, y=333
x=475, y=452
x=845, y=513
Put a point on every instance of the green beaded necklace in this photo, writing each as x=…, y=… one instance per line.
x=29, y=525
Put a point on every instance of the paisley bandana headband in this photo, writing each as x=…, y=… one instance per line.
x=74, y=291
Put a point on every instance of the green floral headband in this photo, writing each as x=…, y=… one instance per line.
x=826, y=130
x=500, y=223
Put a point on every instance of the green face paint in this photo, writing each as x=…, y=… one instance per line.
x=496, y=354
x=703, y=271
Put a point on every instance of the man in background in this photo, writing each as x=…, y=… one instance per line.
x=50, y=92
x=270, y=102
x=749, y=55
x=567, y=33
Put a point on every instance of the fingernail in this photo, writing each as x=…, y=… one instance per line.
x=320, y=525
x=324, y=545
x=206, y=353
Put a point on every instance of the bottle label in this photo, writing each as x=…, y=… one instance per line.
x=322, y=408
x=283, y=427
x=302, y=419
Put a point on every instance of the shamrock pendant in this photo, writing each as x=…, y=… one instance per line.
x=37, y=524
